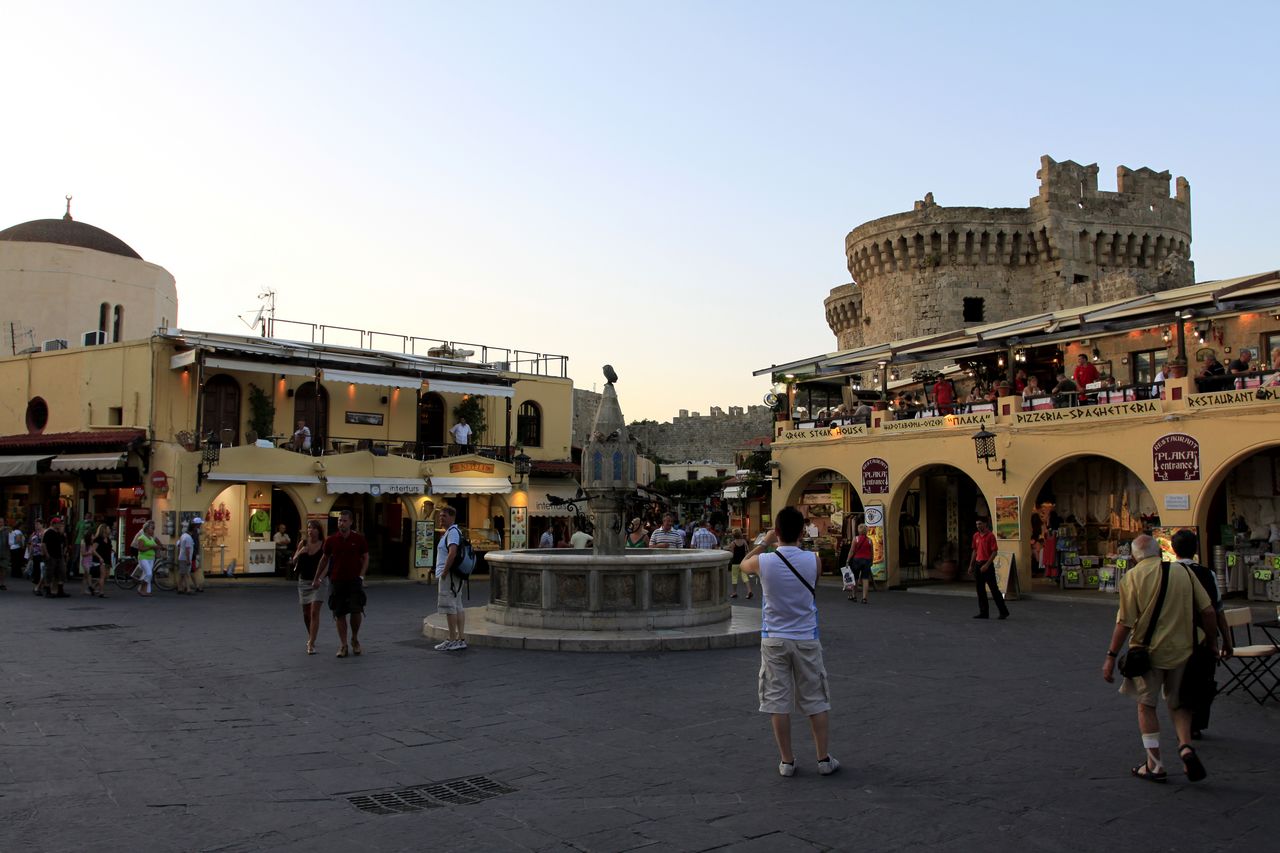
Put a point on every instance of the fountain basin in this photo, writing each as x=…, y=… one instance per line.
x=578, y=590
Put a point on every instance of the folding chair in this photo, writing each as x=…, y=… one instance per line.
x=1250, y=666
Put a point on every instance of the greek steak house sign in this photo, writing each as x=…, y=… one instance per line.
x=1176, y=457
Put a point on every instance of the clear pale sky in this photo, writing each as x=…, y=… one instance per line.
x=663, y=186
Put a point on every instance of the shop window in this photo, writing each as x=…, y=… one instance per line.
x=220, y=413
x=37, y=415
x=529, y=425
x=691, y=475
x=1145, y=365
x=974, y=309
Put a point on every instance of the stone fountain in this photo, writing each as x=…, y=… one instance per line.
x=608, y=597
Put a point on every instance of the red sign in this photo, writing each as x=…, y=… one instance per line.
x=1176, y=457
x=875, y=476
x=160, y=482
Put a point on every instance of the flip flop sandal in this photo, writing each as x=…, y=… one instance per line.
x=1191, y=763
x=1144, y=772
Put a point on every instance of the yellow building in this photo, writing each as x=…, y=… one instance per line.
x=169, y=423
x=1135, y=451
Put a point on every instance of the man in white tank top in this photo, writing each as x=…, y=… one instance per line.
x=792, y=674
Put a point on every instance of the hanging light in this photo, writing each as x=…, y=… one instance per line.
x=1166, y=336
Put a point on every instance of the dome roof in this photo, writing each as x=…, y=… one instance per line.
x=68, y=232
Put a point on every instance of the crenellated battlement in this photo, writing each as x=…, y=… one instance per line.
x=915, y=272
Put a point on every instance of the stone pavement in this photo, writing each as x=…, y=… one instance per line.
x=199, y=724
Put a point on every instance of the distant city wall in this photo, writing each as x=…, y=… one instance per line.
x=689, y=436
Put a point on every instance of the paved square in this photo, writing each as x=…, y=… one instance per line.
x=200, y=724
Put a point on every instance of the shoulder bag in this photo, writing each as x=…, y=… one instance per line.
x=1136, y=661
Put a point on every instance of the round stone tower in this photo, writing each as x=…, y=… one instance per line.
x=934, y=269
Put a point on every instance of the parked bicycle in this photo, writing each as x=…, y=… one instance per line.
x=162, y=574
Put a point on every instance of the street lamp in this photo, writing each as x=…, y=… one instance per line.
x=523, y=465
x=209, y=458
x=984, y=444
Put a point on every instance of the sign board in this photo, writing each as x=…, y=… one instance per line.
x=1008, y=517
x=823, y=433
x=424, y=540
x=1176, y=457
x=1177, y=501
x=873, y=517
x=478, y=467
x=979, y=419
x=519, y=527
x=1080, y=414
x=160, y=482
x=1242, y=397
x=875, y=476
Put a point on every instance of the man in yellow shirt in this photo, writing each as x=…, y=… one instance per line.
x=1185, y=604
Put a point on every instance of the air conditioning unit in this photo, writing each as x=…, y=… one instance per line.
x=500, y=365
x=95, y=338
x=53, y=344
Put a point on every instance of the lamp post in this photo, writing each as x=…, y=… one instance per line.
x=984, y=444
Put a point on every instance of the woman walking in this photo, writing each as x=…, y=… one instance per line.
x=737, y=546
x=104, y=557
x=860, y=555
x=145, y=543
x=305, y=561
x=35, y=553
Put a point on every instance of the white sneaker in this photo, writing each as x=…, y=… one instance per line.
x=785, y=769
x=459, y=645
x=826, y=768
x=445, y=646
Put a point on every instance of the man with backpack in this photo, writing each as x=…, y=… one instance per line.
x=449, y=581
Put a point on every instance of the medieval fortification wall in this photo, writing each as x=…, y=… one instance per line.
x=688, y=437
x=934, y=269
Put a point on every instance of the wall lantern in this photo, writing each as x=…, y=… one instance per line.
x=984, y=444
x=774, y=467
x=855, y=381
x=522, y=465
x=208, y=459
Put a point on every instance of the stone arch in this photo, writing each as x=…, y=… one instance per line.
x=1218, y=480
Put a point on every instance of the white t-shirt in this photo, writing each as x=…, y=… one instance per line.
x=789, y=610
x=303, y=435
x=452, y=536
x=580, y=540
x=16, y=539
x=461, y=433
x=186, y=548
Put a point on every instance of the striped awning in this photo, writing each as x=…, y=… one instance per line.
x=87, y=462
x=470, y=486
x=20, y=466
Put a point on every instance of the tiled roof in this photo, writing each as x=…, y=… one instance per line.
x=57, y=442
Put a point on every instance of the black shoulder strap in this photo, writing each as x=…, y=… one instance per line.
x=807, y=585
x=1155, y=614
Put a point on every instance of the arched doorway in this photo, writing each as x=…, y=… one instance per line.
x=311, y=405
x=386, y=521
x=1083, y=509
x=220, y=409
x=431, y=422
x=284, y=511
x=832, y=511
x=1239, y=518
x=936, y=514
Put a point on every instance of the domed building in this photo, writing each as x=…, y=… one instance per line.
x=66, y=284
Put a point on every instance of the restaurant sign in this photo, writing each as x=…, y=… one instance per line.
x=478, y=467
x=980, y=419
x=875, y=476
x=1088, y=413
x=1242, y=397
x=1176, y=457
x=824, y=433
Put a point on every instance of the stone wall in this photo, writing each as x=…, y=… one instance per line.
x=689, y=436
x=934, y=269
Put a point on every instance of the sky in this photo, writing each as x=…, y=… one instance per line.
x=661, y=186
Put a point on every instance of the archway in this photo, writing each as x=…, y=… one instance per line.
x=311, y=405
x=284, y=512
x=936, y=511
x=832, y=509
x=431, y=421
x=1080, y=509
x=1238, y=517
x=386, y=521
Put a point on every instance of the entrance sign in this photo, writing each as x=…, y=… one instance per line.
x=1176, y=457
x=873, y=517
x=875, y=476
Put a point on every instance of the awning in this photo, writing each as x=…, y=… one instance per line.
x=381, y=379
x=732, y=493
x=236, y=477
x=470, y=486
x=87, y=462
x=377, y=486
x=256, y=366
x=19, y=466
x=448, y=386
x=539, y=505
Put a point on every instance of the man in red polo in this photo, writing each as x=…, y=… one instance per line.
x=345, y=561
x=983, y=557
x=1085, y=373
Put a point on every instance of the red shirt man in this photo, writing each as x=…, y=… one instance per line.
x=1084, y=372
x=983, y=557
x=347, y=553
x=943, y=396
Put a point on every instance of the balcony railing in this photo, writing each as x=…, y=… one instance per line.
x=336, y=444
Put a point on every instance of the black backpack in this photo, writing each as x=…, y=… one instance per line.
x=466, y=564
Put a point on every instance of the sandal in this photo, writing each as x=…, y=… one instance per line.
x=342, y=652
x=355, y=647
x=311, y=649
x=1191, y=763
x=1144, y=772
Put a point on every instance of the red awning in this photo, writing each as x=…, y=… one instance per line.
x=71, y=442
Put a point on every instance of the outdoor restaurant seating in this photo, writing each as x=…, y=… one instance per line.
x=1250, y=665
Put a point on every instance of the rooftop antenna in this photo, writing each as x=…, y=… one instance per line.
x=268, y=297
x=67, y=216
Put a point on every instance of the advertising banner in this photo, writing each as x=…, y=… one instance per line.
x=874, y=519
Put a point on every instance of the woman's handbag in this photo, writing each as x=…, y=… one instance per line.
x=1136, y=660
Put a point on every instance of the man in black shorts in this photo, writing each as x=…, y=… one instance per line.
x=345, y=561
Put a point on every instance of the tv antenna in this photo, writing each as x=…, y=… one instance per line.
x=264, y=319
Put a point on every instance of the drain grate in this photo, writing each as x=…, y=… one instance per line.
x=455, y=792
x=75, y=628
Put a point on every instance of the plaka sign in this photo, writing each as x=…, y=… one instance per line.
x=1176, y=457
x=875, y=476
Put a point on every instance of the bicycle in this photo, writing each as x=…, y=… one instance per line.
x=162, y=574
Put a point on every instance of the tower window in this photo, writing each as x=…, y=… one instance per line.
x=973, y=309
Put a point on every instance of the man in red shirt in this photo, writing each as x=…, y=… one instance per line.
x=1084, y=372
x=345, y=561
x=943, y=396
x=983, y=557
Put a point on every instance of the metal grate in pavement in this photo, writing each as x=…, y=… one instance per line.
x=455, y=792
x=74, y=628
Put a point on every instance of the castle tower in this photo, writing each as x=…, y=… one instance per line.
x=934, y=269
